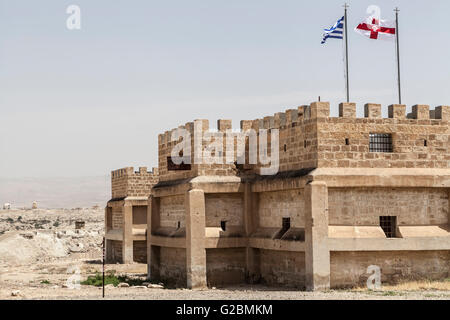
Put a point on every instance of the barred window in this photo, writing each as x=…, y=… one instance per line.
x=380, y=142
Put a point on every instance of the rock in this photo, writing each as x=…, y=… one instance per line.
x=145, y=283
x=15, y=293
x=140, y=287
x=109, y=286
x=123, y=285
x=155, y=286
x=77, y=248
x=28, y=235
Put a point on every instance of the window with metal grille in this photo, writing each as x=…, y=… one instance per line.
x=389, y=226
x=380, y=142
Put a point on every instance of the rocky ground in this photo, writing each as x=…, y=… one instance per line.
x=43, y=256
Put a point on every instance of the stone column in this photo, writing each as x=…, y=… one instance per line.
x=149, y=237
x=195, y=239
x=107, y=245
x=127, y=243
x=152, y=251
x=317, y=253
x=252, y=271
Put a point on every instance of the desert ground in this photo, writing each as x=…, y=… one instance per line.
x=43, y=256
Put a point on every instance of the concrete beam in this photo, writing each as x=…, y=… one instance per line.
x=317, y=253
x=195, y=239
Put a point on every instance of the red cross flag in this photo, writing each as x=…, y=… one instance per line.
x=377, y=29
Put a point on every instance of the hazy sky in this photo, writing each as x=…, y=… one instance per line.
x=84, y=102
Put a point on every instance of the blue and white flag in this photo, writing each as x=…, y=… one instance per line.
x=335, y=32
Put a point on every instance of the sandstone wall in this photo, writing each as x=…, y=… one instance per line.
x=116, y=251
x=139, y=214
x=128, y=183
x=349, y=269
x=117, y=218
x=140, y=251
x=172, y=210
x=283, y=268
x=173, y=266
x=273, y=206
x=225, y=266
x=364, y=206
x=227, y=207
x=310, y=138
x=417, y=143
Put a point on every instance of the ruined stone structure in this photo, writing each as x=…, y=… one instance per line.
x=126, y=215
x=350, y=193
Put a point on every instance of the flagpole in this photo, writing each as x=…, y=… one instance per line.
x=398, y=56
x=346, y=50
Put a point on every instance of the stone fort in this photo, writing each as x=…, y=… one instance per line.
x=350, y=193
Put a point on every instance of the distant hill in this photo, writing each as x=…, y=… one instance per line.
x=55, y=192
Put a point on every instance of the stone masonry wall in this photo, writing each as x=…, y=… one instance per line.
x=116, y=251
x=128, y=183
x=364, y=206
x=273, y=206
x=173, y=266
x=310, y=138
x=227, y=207
x=140, y=251
x=418, y=141
x=172, y=210
x=225, y=266
x=117, y=218
x=349, y=269
x=283, y=268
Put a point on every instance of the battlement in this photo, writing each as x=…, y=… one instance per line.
x=292, y=117
x=309, y=137
x=129, y=171
x=127, y=182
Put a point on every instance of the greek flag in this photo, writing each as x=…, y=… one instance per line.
x=335, y=32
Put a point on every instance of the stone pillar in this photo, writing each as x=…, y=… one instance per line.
x=108, y=251
x=149, y=237
x=153, y=252
x=195, y=239
x=252, y=271
x=127, y=243
x=317, y=254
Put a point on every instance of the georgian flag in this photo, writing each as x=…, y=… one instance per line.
x=377, y=29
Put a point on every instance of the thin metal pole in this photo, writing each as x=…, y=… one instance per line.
x=346, y=51
x=103, y=280
x=398, y=56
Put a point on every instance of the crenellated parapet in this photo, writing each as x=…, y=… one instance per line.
x=127, y=182
x=308, y=137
